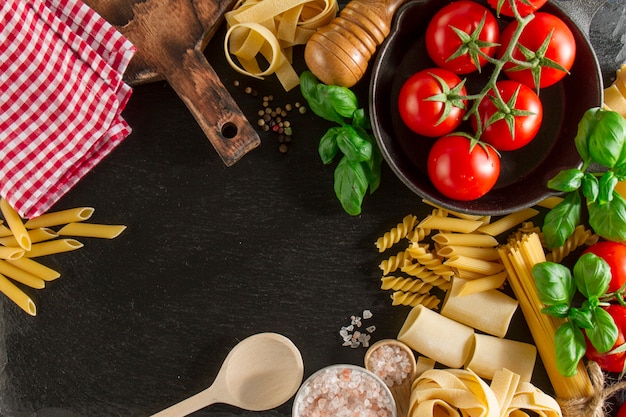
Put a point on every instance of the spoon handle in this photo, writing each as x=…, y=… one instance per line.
x=189, y=405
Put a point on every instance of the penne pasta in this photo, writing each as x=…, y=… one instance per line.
x=15, y=224
x=11, y=252
x=103, y=231
x=19, y=297
x=20, y=275
x=486, y=254
x=466, y=239
x=450, y=224
x=508, y=222
x=57, y=218
x=35, y=235
x=474, y=265
x=491, y=354
x=550, y=202
x=53, y=246
x=5, y=231
x=35, y=268
x=484, y=283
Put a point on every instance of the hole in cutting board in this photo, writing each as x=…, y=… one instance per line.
x=229, y=130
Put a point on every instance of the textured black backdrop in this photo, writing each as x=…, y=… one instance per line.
x=211, y=255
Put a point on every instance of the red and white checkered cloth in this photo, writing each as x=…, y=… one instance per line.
x=61, y=98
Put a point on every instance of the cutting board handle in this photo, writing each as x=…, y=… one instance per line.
x=221, y=119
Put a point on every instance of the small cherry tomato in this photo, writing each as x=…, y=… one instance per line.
x=524, y=7
x=462, y=172
x=560, y=49
x=429, y=102
x=615, y=255
x=447, y=49
x=622, y=411
x=513, y=121
x=611, y=362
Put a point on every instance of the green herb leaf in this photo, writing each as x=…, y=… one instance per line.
x=567, y=180
x=558, y=310
x=592, y=275
x=316, y=95
x=560, y=222
x=609, y=220
x=350, y=185
x=581, y=317
x=585, y=127
x=607, y=138
x=603, y=334
x=342, y=99
x=570, y=345
x=554, y=282
x=590, y=187
x=353, y=146
x=360, y=120
x=606, y=185
x=328, y=147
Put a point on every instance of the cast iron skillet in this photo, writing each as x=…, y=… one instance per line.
x=525, y=172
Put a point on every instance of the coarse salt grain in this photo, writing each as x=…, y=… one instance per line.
x=343, y=391
x=391, y=363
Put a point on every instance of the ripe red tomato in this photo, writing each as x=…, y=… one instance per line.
x=615, y=255
x=524, y=8
x=442, y=42
x=561, y=49
x=459, y=172
x=512, y=127
x=613, y=362
x=622, y=411
x=427, y=117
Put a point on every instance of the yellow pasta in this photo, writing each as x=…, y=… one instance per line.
x=580, y=237
x=16, y=224
x=424, y=257
x=485, y=283
x=478, y=240
x=5, y=231
x=19, y=297
x=11, y=252
x=393, y=263
x=487, y=254
x=414, y=299
x=20, y=275
x=458, y=214
x=450, y=224
x=57, y=218
x=35, y=268
x=394, y=235
x=405, y=284
x=103, y=231
x=474, y=265
x=507, y=222
x=550, y=202
x=52, y=247
x=35, y=235
x=491, y=354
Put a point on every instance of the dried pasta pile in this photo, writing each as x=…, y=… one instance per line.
x=269, y=29
x=615, y=94
x=21, y=241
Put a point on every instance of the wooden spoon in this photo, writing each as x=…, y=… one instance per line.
x=401, y=392
x=262, y=372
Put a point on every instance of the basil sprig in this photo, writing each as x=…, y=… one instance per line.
x=601, y=144
x=359, y=166
x=556, y=288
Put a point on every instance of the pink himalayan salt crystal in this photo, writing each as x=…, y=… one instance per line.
x=391, y=363
x=344, y=392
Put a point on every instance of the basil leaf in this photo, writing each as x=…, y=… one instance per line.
x=603, y=334
x=570, y=345
x=360, y=120
x=581, y=317
x=609, y=220
x=342, y=99
x=592, y=275
x=590, y=187
x=585, y=126
x=350, y=185
x=316, y=95
x=567, y=180
x=560, y=222
x=554, y=283
x=606, y=185
x=353, y=146
x=328, y=147
x=373, y=169
x=607, y=138
x=558, y=310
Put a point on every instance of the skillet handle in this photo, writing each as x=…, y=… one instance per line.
x=221, y=119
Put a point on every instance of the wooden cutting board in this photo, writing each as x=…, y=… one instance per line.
x=170, y=36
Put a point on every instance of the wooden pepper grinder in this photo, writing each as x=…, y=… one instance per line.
x=338, y=53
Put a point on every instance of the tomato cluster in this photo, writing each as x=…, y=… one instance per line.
x=534, y=50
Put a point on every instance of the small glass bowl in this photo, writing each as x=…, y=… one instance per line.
x=349, y=386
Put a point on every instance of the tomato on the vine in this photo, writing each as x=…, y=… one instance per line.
x=524, y=7
x=512, y=120
x=460, y=34
x=461, y=171
x=611, y=362
x=547, y=44
x=431, y=102
x=615, y=255
x=621, y=412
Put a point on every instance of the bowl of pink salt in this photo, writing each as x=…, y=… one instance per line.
x=344, y=391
